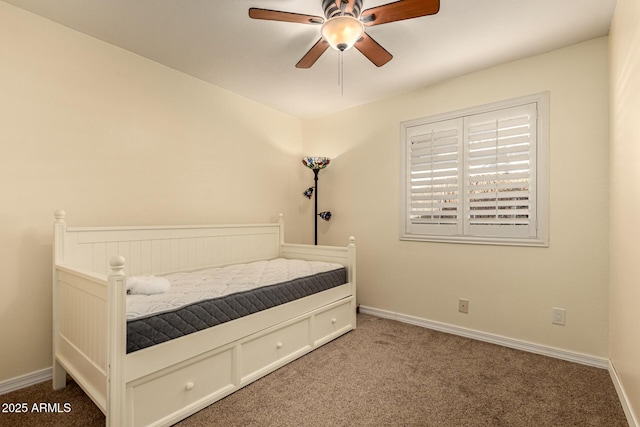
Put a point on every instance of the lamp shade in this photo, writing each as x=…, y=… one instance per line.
x=316, y=162
x=326, y=215
x=342, y=32
x=308, y=192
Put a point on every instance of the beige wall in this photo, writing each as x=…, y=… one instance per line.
x=625, y=199
x=511, y=289
x=116, y=139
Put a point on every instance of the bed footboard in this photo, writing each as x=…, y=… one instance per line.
x=89, y=336
x=80, y=332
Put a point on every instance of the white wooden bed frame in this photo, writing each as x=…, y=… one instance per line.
x=163, y=384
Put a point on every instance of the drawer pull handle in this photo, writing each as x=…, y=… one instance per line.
x=189, y=386
x=334, y=320
x=279, y=345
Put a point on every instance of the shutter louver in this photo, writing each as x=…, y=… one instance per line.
x=500, y=178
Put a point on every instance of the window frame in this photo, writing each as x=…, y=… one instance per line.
x=540, y=164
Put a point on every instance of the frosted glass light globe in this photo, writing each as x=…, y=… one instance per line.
x=342, y=32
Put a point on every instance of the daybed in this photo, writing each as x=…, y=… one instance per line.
x=166, y=382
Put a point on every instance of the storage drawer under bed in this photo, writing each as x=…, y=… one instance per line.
x=333, y=322
x=266, y=352
x=181, y=388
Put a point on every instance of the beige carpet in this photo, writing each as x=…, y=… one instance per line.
x=387, y=373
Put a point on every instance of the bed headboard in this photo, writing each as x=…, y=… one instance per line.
x=163, y=249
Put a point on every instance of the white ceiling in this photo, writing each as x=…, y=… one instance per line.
x=216, y=41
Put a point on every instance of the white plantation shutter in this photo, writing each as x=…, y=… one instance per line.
x=474, y=176
x=435, y=179
x=500, y=173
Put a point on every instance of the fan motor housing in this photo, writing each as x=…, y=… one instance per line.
x=331, y=9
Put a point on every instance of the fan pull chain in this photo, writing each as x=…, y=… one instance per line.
x=339, y=69
x=341, y=73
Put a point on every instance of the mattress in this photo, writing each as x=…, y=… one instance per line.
x=209, y=297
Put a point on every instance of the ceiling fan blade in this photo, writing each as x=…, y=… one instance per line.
x=373, y=51
x=276, y=15
x=399, y=10
x=314, y=53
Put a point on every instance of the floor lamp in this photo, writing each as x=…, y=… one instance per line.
x=315, y=164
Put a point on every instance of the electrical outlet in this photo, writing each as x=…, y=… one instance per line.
x=463, y=305
x=558, y=316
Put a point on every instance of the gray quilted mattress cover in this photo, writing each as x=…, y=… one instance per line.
x=147, y=331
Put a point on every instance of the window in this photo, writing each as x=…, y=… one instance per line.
x=478, y=175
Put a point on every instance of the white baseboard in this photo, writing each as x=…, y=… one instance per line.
x=584, y=359
x=624, y=400
x=27, y=380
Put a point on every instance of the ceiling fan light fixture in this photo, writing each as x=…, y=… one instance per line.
x=342, y=32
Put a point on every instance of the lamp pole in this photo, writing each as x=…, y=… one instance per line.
x=315, y=216
x=315, y=164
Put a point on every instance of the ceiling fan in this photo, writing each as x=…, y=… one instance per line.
x=343, y=25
